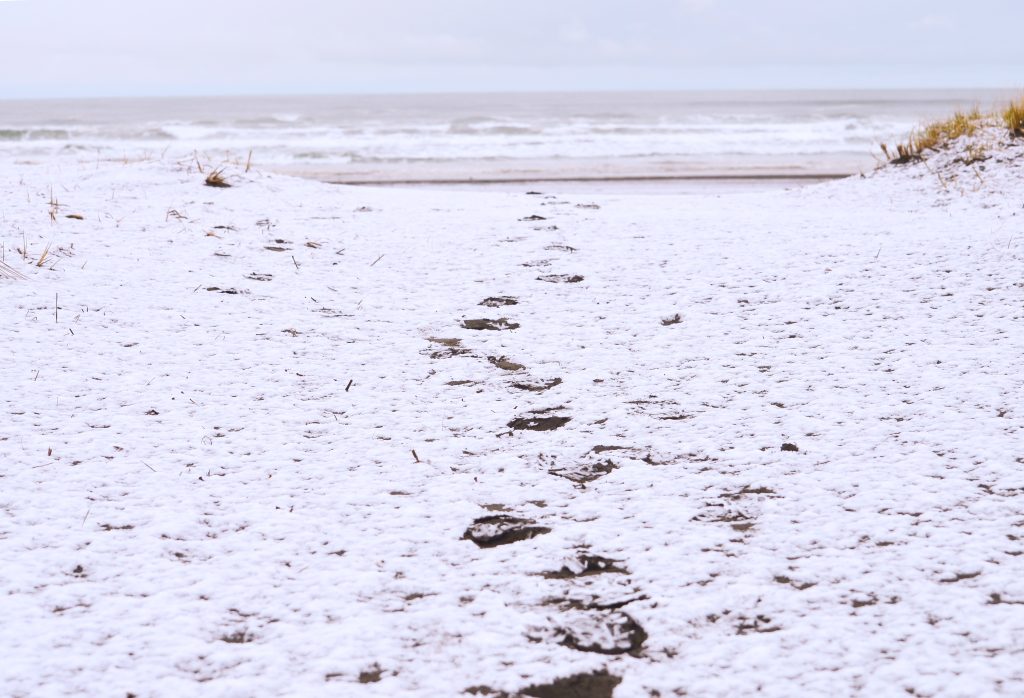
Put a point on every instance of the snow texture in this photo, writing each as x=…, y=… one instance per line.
x=254, y=441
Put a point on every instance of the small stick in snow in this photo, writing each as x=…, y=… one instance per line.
x=415, y=456
x=149, y=466
x=348, y=386
x=377, y=260
x=86, y=514
x=294, y=262
x=55, y=308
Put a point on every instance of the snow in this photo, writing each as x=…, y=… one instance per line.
x=238, y=459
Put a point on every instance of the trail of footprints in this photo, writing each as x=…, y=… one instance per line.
x=590, y=593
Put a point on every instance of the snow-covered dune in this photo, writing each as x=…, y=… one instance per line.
x=287, y=438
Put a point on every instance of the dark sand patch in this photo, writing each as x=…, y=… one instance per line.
x=504, y=364
x=561, y=278
x=488, y=324
x=539, y=386
x=610, y=633
x=539, y=423
x=587, y=566
x=446, y=341
x=602, y=449
x=599, y=684
x=492, y=531
x=499, y=301
x=585, y=472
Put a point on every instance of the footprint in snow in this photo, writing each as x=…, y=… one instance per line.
x=561, y=278
x=598, y=684
x=602, y=632
x=582, y=473
x=488, y=324
x=538, y=423
x=538, y=386
x=492, y=531
x=499, y=301
x=504, y=363
x=584, y=565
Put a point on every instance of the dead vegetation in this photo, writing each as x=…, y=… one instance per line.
x=939, y=135
x=9, y=272
x=54, y=207
x=216, y=179
x=1013, y=117
x=43, y=256
x=934, y=136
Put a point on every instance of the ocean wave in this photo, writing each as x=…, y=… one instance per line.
x=34, y=134
x=488, y=126
x=144, y=134
x=487, y=135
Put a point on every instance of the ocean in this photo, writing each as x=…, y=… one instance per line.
x=643, y=139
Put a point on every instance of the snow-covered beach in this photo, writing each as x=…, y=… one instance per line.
x=288, y=438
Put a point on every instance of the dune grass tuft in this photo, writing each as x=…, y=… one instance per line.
x=1013, y=117
x=938, y=135
x=216, y=179
x=43, y=256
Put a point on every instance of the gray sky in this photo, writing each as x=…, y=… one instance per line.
x=60, y=48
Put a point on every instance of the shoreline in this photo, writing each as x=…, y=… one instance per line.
x=624, y=178
x=684, y=185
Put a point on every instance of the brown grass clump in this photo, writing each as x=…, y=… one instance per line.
x=43, y=256
x=216, y=179
x=939, y=134
x=1013, y=117
x=904, y=153
x=935, y=136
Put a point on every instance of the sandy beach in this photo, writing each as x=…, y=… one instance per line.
x=293, y=438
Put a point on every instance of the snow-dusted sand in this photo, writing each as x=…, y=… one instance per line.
x=261, y=446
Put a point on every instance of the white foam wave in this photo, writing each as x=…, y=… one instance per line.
x=432, y=130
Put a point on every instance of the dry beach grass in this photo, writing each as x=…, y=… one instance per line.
x=942, y=133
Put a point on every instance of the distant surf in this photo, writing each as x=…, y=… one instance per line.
x=496, y=138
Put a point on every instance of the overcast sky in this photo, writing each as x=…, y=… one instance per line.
x=60, y=48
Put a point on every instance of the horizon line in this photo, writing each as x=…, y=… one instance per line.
x=460, y=93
